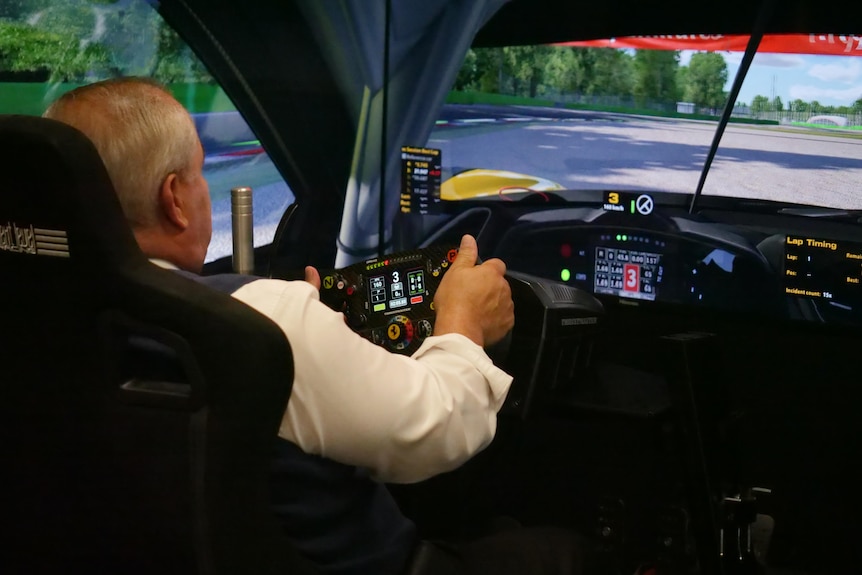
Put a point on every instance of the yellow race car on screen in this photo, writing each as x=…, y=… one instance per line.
x=480, y=183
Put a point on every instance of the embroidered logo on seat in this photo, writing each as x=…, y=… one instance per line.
x=31, y=240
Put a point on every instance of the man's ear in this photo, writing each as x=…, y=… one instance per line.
x=171, y=202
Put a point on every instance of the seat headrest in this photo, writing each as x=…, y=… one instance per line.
x=56, y=198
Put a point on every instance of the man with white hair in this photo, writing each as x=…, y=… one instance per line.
x=358, y=415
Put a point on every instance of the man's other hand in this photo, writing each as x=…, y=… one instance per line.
x=472, y=300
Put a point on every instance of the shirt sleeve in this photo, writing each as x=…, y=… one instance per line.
x=404, y=418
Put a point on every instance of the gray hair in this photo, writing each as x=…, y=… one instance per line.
x=141, y=132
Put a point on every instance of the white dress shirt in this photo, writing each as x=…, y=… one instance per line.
x=404, y=418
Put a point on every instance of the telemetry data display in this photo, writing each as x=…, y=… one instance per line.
x=396, y=289
x=627, y=273
x=420, y=180
x=823, y=269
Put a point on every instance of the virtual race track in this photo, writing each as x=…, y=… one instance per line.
x=579, y=150
x=592, y=150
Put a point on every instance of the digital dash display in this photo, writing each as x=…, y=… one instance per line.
x=627, y=273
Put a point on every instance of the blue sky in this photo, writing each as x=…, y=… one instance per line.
x=831, y=80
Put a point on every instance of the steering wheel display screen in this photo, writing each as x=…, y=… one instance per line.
x=390, y=300
x=397, y=289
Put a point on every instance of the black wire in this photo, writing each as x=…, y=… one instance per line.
x=381, y=228
x=763, y=17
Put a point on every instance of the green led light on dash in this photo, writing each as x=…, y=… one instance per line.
x=619, y=237
x=625, y=238
x=632, y=206
x=565, y=275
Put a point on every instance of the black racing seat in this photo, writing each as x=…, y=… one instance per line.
x=139, y=408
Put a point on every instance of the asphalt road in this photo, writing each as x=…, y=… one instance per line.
x=585, y=150
x=582, y=150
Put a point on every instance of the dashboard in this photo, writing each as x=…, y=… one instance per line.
x=641, y=264
x=770, y=266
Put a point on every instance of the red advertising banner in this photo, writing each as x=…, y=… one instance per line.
x=827, y=44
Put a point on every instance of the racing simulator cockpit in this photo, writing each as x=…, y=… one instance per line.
x=674, y=188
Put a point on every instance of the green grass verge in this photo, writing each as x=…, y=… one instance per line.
x=662, y=114
x=32, y=98
x=202, y=98
x=495, y=99
x=501, y=99
x=29, y=98
x=825, y=126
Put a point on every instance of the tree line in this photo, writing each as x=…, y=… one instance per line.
x=643, y=75
x=760, y=104
x=41, y=40
x=46, y=41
